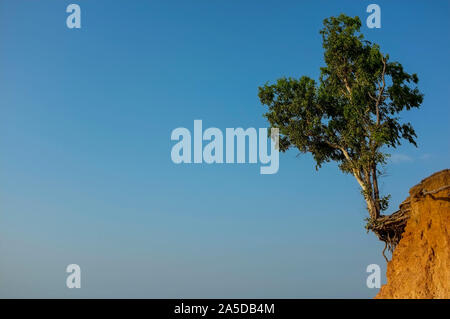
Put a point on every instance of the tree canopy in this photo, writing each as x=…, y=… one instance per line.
x=351, y=115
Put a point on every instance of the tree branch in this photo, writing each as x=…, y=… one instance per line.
x=380, y=93
x=355, y=171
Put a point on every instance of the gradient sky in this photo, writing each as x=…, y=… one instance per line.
x=85, y=169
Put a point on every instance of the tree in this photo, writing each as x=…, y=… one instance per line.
x=351, y=115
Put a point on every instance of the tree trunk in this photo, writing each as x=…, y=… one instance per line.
x=376, y=192
x=374, y=212
x=365, y=182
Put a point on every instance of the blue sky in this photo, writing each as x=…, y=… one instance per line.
x=86, y=175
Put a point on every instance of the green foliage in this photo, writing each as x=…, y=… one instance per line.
x=351, y=114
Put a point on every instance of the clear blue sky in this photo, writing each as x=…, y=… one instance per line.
x=85, y=169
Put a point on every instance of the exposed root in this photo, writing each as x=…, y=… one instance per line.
x=385, y=246
x=389, y=229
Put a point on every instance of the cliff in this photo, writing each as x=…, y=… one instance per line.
x=420, y=265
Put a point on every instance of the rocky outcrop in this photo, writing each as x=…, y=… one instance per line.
x=420, y=265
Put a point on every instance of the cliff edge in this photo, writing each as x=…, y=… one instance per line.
x=420, y=265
